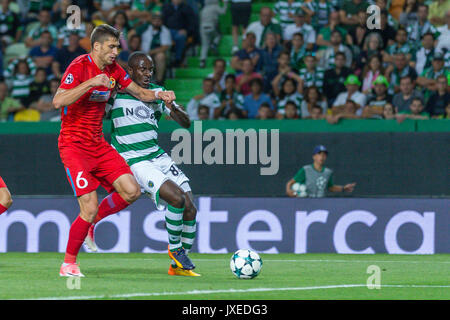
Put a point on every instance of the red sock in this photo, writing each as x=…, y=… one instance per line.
x=2, y=208
x=77, y=234
x=111, y=204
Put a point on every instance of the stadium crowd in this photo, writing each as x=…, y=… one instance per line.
x=311, y=59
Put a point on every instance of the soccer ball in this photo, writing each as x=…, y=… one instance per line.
x=299, y=189
x=245, y=264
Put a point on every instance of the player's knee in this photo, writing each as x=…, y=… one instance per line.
x=178, y=200
x=5, y=199
x=8, y=202
x=132, y=193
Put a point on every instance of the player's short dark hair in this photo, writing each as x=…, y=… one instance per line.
x=406, y=77
x=230, y=76
x=342, y=54
x=265, y=105
x=135, y=56
x=103, y=32
x=428, y=34
x=316, y=106
x=220, y=60
x=257, y=81
x=297, y=34
x=417, y=99
x=291, y=103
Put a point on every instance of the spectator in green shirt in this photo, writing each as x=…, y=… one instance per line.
x=316, y=178
x=349, y=12
x=324, y=36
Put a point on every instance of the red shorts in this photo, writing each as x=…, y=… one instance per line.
x=2, y=183
x=89, y=167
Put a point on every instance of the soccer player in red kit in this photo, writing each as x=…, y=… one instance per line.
x=89, y=161
x=5, y=197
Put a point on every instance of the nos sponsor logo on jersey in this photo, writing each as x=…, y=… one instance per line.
x=140, y=112
x=100, y=96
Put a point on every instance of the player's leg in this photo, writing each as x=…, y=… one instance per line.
x=126, y=192
x=5, y=197
x=78, y=165
x=88, y=210
x=116, y=177
x=189, y=222
x=175, y=198
x=188, y=233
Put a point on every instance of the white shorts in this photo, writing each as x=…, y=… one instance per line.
x=151, y=174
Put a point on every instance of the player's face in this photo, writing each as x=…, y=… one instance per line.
x=142, y=72
x=320, y=158
x=109, y=50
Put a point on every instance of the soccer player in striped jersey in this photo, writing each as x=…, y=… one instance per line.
x=134, y=136
x=5, y=197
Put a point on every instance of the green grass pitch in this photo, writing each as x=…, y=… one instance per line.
x=283, y=276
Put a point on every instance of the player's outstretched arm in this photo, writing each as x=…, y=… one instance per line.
x=179, y=115
x=65, y=97
x=148, y=95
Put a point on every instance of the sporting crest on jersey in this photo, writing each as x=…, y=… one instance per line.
x=112, y=82
x=69, y=79
x=99, y=96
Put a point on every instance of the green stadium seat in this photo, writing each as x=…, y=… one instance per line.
x=192, y=73
x=28, y=28
x=194, y=62
x=225, y=22
x=225, y=45
x=13, y=51
x=186, y=85
x=254, y=17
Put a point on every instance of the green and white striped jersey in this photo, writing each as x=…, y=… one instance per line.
x=312, y=78
x=135, y=127
x=296, y=97
x=283, y=8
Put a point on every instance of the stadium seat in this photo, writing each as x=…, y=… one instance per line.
x=13, y=51
x=29, y=27
x=225, y=45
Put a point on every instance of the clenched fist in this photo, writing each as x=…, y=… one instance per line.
x=167, y=96
x=100, y=80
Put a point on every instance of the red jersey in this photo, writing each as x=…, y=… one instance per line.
x=82, y=120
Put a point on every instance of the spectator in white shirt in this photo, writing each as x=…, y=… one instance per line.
x=208, y=98
x=265, y=24
x=352, y=84
x=309, y=35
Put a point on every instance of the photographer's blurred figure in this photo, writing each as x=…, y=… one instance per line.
x=316, y=177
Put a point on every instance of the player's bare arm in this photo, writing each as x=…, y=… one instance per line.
x=148, y=95
x=65, y=97
x=289, y=190
x=179, y=115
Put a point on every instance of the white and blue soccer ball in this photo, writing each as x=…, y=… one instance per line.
x=299, y=190
x=245, y=264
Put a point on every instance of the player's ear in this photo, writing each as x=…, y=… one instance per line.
x=129, y=71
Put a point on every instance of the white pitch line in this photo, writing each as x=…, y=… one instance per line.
x=192, y=292
x=319, y=260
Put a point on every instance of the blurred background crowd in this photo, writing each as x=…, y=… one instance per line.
x=237, y=59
